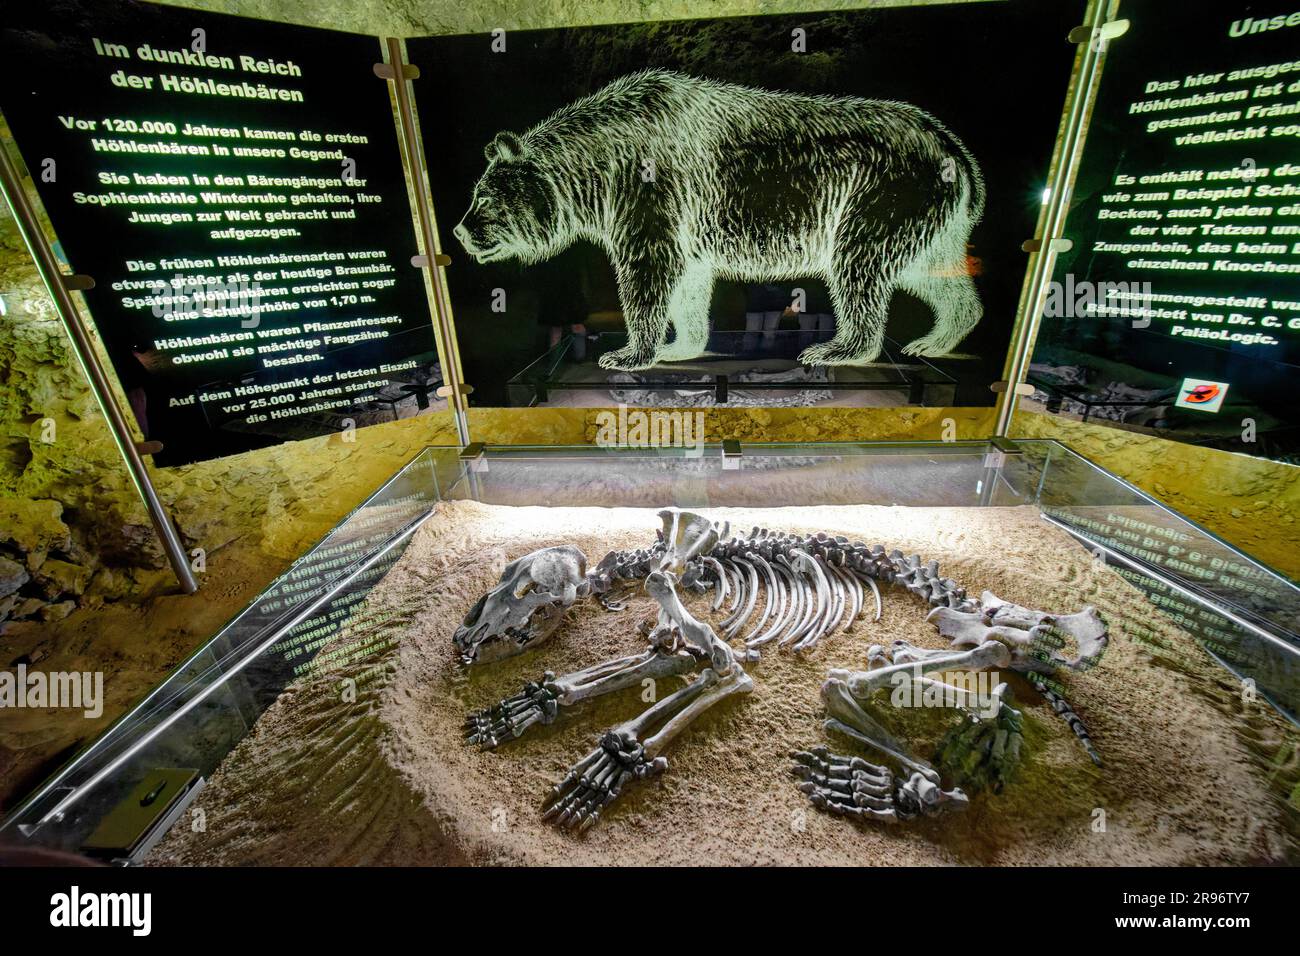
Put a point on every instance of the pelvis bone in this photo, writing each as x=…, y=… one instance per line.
x=525, y=607
x=686, y=536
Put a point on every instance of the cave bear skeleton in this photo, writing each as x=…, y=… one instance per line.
x=775, y=589
x=684, y=181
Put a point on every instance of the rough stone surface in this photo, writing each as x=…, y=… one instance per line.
x=62, y=577
x=57, y=612
x=33, y=526
x=12, y=576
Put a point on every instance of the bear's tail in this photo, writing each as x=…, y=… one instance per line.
x=975, y=203
x=971, y=177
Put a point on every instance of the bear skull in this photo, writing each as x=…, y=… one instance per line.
x=526, y=605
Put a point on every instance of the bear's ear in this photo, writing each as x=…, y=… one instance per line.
x=503, y=146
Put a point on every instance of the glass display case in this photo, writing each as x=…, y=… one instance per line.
x=739, y=369
x=323, y=717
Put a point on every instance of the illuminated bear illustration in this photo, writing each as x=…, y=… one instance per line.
x=684, y=181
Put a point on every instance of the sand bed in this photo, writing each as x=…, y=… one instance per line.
x=382, y=775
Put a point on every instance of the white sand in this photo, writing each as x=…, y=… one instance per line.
x=387, y=778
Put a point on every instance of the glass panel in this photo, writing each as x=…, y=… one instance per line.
x=1242, y=612
x=210, y=702
x=700, y=478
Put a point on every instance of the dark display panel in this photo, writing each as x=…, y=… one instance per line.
x=774, y=191
x=235, y=189
x=1177, y=311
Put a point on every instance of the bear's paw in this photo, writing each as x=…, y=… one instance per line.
x=830, y=353
x=627, y=359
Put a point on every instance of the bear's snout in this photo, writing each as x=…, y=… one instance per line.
x=472, y=238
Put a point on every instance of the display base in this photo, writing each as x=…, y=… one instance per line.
x=738, y=370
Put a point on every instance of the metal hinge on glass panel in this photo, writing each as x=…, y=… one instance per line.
x=1002, y=447
x=1099, y=35
x=385, y=71
x=1055, y=245
x=474, y=455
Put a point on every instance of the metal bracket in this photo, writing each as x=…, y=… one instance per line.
x=422, y=262
x=397, y=71
x=1002, y=449
x=62, y=793
x=385, y=71
x=1023, y=388
x=78, y=283
x=731, y=454
x=447, y=391
x=1103, y=34
x=474, y=455
x=1054, y=245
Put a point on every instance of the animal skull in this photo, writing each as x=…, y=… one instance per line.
x=525, y=607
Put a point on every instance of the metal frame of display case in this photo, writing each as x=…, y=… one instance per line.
x=542, y=377
x=1278, y=444
x=198, y=714
x=1057, y=394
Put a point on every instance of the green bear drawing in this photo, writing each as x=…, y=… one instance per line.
x=683, y=181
